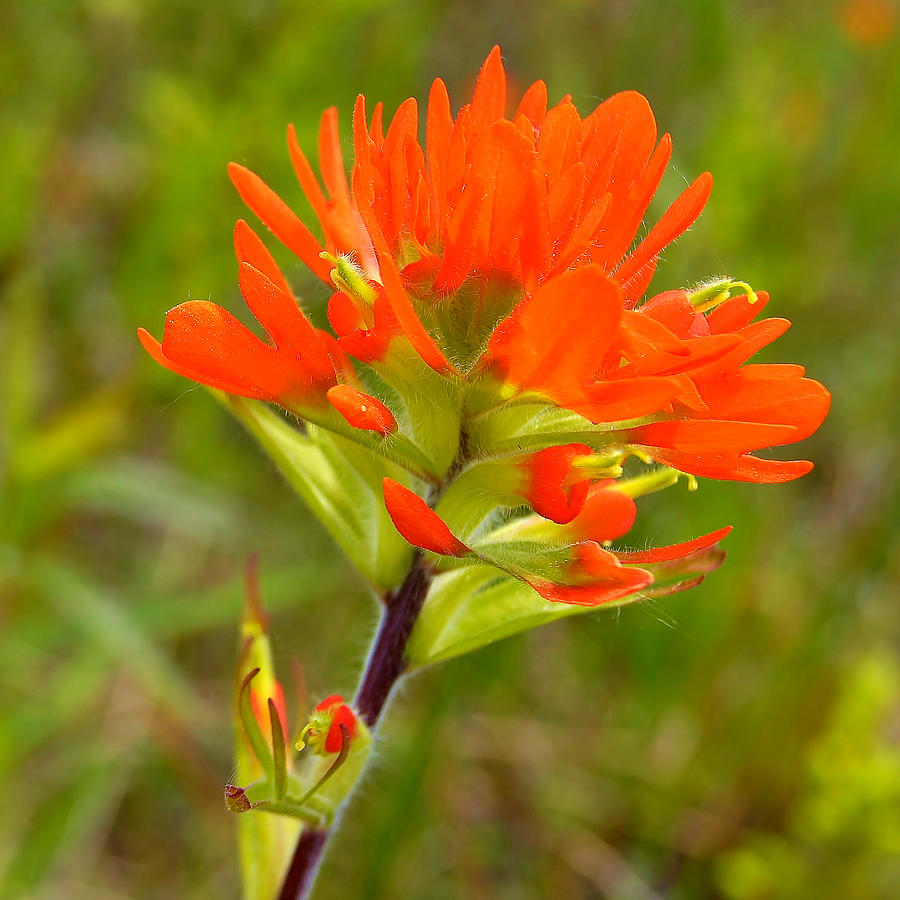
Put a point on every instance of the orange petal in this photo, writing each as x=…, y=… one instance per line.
x=249, y=248
x=212, y=343
x=280, y=219
x=331, y=160
x=554, y=339
x=399, y=301
x=418, y=522
x=607, y=514
x=738, y=312
x=764, y=393
x=489, y=98
x=711, y=436
x=154, y=348
x=605, y=577
x=624, y=398
x=438, y=134
x=285, y=323
x=675, y=551
x=674, y=222
x=533, y=104
x=550, y=487
x=733, y=467
x=307, y=178
x=362, y=410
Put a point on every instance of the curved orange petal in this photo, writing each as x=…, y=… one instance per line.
x=213, y=344
x=249, y=248
x=281, y=220
x=550, y=488
x=674, y=551
x=554, y=339
x=418, y=523
x=674, y=222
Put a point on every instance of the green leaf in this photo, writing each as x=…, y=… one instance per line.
x=473, y=606
x=341, y=484
x=430, y=405
x=476, y=492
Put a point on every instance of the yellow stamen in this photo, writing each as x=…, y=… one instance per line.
x=708, y=296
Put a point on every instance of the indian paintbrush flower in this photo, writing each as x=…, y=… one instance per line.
x=473, y=424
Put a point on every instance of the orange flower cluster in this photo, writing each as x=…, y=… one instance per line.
x=499, y=257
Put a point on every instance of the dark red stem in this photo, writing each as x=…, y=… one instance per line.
x=385, y=665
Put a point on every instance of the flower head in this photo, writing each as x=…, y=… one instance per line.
x=492, y=355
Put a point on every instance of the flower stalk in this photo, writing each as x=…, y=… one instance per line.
x=385, y=665
x=495, y=391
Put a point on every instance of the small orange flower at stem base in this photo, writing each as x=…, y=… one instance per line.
x=322, y=733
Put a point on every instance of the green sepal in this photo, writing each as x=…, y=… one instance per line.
x=265, y=842
x=341, y=483
x=315, y=795
x=477, y=491
x=474, y=606
x=251, y=727
x=278, y=752
x=335, y=784
x=529, y=424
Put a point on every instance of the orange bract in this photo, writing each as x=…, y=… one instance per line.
x=490, y=289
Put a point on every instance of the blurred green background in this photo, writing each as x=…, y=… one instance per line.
x=738, y=741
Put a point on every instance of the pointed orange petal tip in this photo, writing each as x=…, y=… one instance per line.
x=150, y=344
x=418, y=522
x=249, y=248
x=676, y=551
x=362, y=410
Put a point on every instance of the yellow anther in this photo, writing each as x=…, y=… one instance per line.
x=349, y=278
x=709, y=296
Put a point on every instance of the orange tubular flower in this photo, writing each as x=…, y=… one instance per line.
x=491, y=346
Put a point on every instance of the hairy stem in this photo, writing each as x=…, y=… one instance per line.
x=384, y=667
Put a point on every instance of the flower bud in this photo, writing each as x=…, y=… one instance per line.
x=322, y=733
